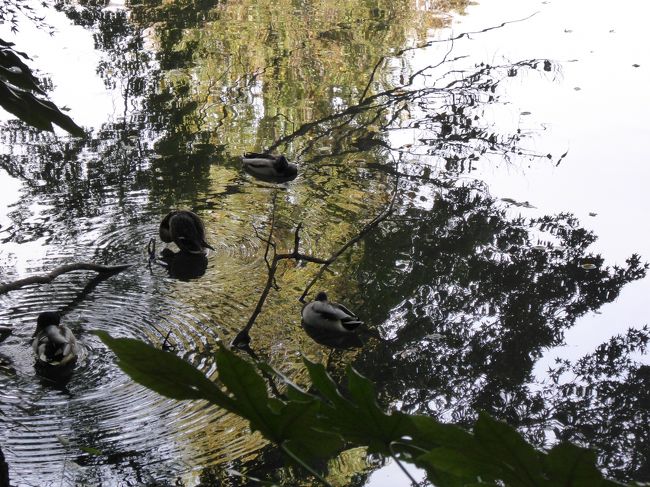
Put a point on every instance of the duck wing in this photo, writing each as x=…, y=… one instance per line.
x=257, y=155
x=200, y=228
x=187, y=231
x=348, y=319
x=336, y=312
x=55, y=344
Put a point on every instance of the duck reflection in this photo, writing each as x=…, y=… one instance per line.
x=183, y=265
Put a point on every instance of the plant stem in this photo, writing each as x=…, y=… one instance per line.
x=304, y=465
x=403, y=468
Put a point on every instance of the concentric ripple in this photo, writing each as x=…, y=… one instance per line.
x=101, y=426
x=101, y=417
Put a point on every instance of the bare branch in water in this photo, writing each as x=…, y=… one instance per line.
x=242, y=340
x=46, y=278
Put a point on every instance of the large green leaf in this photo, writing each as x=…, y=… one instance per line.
x=294, y=423
x=570, y=465
x=309, y=427
x=359, y=419
x=248, y=388
x=520, y=462
x=163, y=372
x=454, y=462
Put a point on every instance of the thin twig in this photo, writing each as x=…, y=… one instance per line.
x=372, y=77
x=45, y=278
x=269, y=241
x=369, y=226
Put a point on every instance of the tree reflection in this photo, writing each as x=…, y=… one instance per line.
x=472, y=299
x=604, y=404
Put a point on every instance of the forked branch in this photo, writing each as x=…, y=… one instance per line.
x=242, y=340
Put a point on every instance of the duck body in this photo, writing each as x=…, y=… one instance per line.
x=268, y=167
x=54, y=344
x=331, y=324
x=186, y=230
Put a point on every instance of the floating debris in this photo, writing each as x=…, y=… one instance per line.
x=64, y=440
x=524, y=204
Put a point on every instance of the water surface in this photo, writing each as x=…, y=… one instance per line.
x=482, y=272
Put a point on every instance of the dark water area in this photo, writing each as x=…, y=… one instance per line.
x=474, y=282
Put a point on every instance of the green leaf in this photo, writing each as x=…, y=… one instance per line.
x=455, y=462
x=91, y=451
x=359, y=419
x=520, y=462
x=163, y=372
x=249, y=391
x=324, y=384
x=569, y=465
x=428, y=434
x=293, y=423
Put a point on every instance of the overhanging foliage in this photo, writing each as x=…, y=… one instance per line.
x=309, y=426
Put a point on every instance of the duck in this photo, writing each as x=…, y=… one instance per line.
x=186, y=230
x=268, y=167
x=54, y=344
x=331, y=324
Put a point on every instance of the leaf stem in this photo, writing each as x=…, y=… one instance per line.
x=403, y=468
x=304, y=465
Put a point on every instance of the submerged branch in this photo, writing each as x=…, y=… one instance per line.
x=46, y=278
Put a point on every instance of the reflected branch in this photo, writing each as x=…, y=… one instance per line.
x=46, y=278
x=242, y=340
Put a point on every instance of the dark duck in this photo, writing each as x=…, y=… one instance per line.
x=186, y=230
x=54, y=344
x=268, y=167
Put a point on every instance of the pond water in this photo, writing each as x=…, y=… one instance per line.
x=515, y=155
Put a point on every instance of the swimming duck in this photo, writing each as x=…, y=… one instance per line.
x=186, y=230
x=54, y=344
x=269, y=167
x=331, y=324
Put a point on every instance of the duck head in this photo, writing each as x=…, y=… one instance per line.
x=48, y=318
x=321, y=296
x=281, y=164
